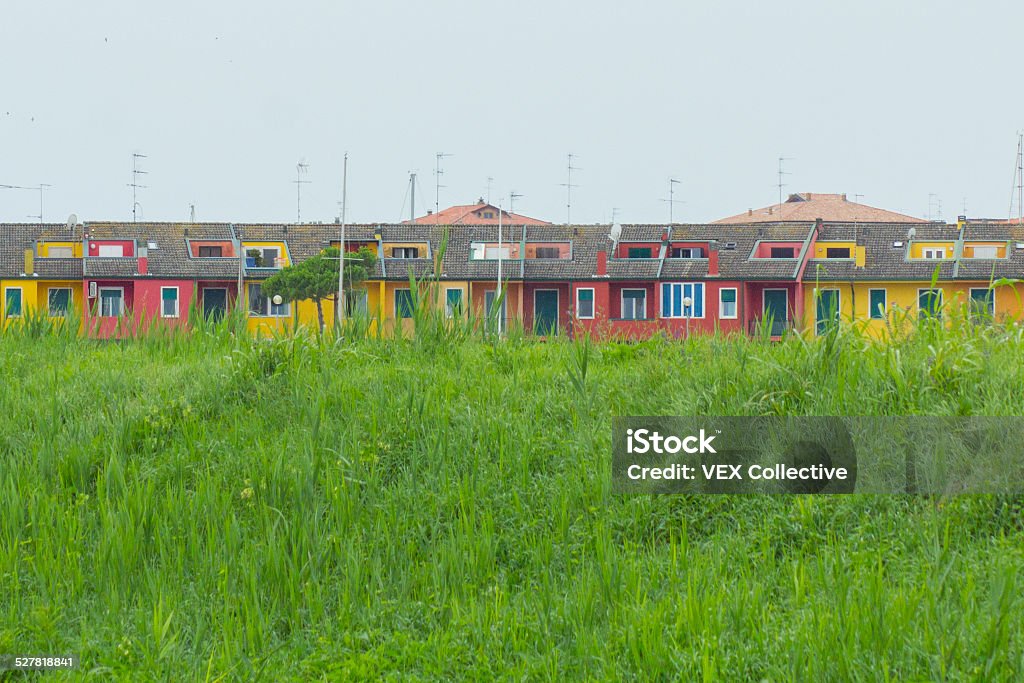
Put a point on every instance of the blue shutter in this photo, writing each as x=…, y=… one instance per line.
x=677, y=301
x=666, y=300
x=698, y=300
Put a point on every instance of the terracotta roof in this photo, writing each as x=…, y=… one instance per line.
x=808, y=206
x=474, y=214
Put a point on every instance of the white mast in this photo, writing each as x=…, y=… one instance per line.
x=340, y=303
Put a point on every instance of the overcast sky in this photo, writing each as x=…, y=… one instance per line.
x=890, y=100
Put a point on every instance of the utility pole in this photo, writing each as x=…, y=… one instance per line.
x=300, y=169
x=339, y=314
x=568, y=188
x=134, y=184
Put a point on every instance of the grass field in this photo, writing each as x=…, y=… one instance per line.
x=214, y=508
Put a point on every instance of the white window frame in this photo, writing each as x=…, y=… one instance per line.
x=938, y=312
x=934, y=253
x=177, y=302
x=504, y=304
x=21, y=302
x=682, y=309
x=721, y=303
x=992, y=301
x=885, y=306
x=448, y=312
x=268, y=307
x=99, y=298
x=593, y=303
x=70, y=251
x=395, y=301
x=49, y=303
x=105, y=251
x=357, y=302
x=622, y=302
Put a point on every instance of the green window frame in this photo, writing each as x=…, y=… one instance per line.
x=727, y=305
x=639, y=252
x=983, y=303
x=453, y=302
x=12, y=302
x=929, y=303
x=403, y=303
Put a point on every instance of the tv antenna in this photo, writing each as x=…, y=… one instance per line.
x=437, y=181
x=301, y=169
x=568, y=188
x=1018, y=181
x=934, y=207
x=134, y=184
x=615, y=214
x=781, y=184
x=412, y=194
x=490, y=180
x=35, y=188
x=672, y=182
x=192, y=213
x=512, y=197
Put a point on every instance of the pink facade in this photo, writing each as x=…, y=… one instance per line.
x=125, y=307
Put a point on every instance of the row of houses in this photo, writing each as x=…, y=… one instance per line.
x=629, y=281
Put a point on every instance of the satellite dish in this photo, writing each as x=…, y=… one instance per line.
x=615, y=233
x=911, y=233
x=72, y=221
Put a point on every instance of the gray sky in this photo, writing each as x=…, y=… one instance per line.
x=892, y=100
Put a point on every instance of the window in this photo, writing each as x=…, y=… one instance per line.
x=405, y=252
x=877, y=304
x=929, y=303
x=60, y=252
x=547, y=252
x=111, y=302
x=983, y=304
x=452, y=302
x=585, y=303
x=687, y=252
x=356, y=302
x=168, y=302
x=837, y=252
x=985, y=252
x=634, y=304
x=59, y=301
x=211, y=251
x=935, y=253
x=12, y=302
x=827, y=310
x=494, y=320
x=727, y=303
x=403, y=303
x=262, y=257
x=673, y=300
x=263, y=307
x=488, y=214
x=783, y=252
x=111, y=250
x=639, y=252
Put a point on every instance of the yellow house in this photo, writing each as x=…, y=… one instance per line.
x=50, y=282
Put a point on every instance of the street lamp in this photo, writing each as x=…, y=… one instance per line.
x=687, y=303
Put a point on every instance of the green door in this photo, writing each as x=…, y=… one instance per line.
x=776, y=309
x=545, y=312
x=215, y=302
x=827, y=313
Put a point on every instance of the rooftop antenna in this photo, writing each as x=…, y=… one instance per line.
x=568, y=188
x=856, y=210
x=134, y=184
x=672, y=182
x=192, y=213
x=934, y=207
x=1018, y=181
x=301, y=169
x=437, y=181
x=615, y=214
x=512, y=197
x=412, y=192
x=40, y=187
x=489, y=181
x=780, y=183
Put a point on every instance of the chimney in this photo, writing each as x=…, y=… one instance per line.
x=602, y=262
x=29, y=264
x=713, y=263
x=750, y=212
x=810, y=195
x=843, y=196
x=770, y=210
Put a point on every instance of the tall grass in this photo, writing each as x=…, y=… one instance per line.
x=216, y=508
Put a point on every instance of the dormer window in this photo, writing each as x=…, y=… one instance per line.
x=211, y=252
x=488, y=214
x=547, y=252
x=639, y=252
x=687, y=252
x=934, y=253
x=782, y=252
x=837, y=252
x=60, y=252
x=405, y=252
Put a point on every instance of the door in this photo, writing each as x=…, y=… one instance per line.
x=827, y=310
x=215, y=303
x=545, y=312
x=776, y=310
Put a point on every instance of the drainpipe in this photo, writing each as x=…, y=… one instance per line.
x=798, y=273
